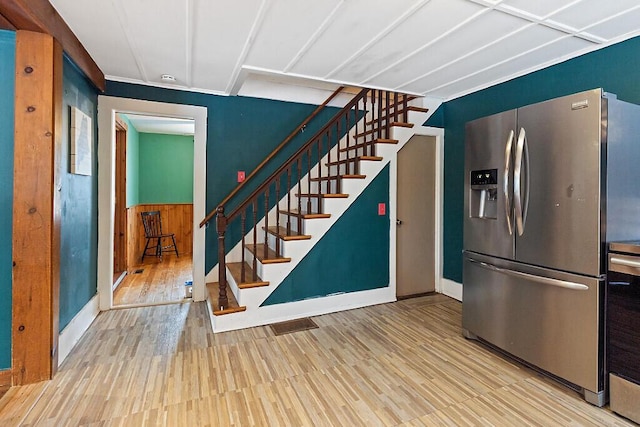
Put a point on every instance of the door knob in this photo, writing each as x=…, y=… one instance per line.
x=398, y=222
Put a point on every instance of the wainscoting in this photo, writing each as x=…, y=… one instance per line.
x=176, y=218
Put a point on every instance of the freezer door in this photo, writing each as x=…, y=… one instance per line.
x=549, y=319
x=488, y=219
x=557, y=183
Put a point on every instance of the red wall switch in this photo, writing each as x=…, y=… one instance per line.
x=240, y=176
x=382, y=208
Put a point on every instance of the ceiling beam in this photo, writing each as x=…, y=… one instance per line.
x=6, y=25
x=40, y=16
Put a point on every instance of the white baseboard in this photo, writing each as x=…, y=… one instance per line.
x=305, y=308
x=451, y=288
x=72, y=333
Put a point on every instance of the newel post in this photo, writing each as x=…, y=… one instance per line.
x=221, y=225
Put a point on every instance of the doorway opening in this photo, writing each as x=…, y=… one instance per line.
x=153, y=172
x=184, y=268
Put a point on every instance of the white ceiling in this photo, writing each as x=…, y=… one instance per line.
x=438, y=48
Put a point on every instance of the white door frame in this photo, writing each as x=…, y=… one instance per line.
x=108, y=106
x=438, y=134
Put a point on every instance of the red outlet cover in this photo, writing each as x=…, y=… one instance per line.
x=382, y=208
x=240, y=176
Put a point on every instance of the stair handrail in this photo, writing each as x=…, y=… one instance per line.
x=267, y=159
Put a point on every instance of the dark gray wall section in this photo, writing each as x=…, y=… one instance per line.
x=79, y=221
x=7, y=89
x=352, y=256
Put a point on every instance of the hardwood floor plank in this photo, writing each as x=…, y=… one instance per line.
x=161, y=281
x=404, y=363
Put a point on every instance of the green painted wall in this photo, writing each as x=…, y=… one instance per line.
x=165, y=168
x=241, y=132
x=614, y=68
x=7, y=87
x=79, y=199
x=352, y=256
x=133, y=154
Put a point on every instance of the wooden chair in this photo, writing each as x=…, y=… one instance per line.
x=153, y=233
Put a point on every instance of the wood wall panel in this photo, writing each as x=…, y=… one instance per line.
x=176, y=218
x=5, y=377
x=36, y=219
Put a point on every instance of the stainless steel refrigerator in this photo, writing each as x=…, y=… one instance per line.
x=546, y=187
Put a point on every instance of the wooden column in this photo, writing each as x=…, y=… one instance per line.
x=36, y=207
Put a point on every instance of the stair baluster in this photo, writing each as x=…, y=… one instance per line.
x=266, y=223
x=243, y=220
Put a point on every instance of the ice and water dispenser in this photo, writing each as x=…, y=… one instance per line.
x=484, y=194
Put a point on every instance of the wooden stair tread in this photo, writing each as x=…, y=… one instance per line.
x=397, y=124
x=418, y=109
x=281, y=232
x=271, y=254
x=355, y=159
x=233, y=306
x=345, y=176
x=324, y=196
x=235, y=268
x=368, y=143
x=294, y=212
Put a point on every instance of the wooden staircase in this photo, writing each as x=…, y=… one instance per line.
x=302, y=199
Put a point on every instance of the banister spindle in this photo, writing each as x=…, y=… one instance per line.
x=221, y=226
x=277, y=216
x=380, y=123
x=299, y=192
x=266, y=223
x=395, y=107
x=405, y=113
x=243, y=224
x=309, y=180
x=319, y=166
x=388, y=114
x=328, y=160
x=255, y=239
x=337, y=154
x=289, y=200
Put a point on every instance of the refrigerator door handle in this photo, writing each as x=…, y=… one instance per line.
x=517, y=182
x=538, y=279
x=507, y=169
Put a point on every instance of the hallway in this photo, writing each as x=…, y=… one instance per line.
x=156, y=281
x=392, y=364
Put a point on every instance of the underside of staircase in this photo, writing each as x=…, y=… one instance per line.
x=274, y=245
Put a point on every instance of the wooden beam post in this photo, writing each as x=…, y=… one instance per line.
x=36, y=208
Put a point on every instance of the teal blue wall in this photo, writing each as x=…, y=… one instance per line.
x=241, y=132
x=615, y=68
x=133, y=154
x=165, y=168
x=352, y=256
x=7, y=87
x=79, y=221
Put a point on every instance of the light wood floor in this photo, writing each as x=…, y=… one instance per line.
x=161, y=281
x=404, y=363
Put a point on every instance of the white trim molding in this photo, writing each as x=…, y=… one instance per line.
x=108, y=106
x=451, y=288
x=72, y=333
